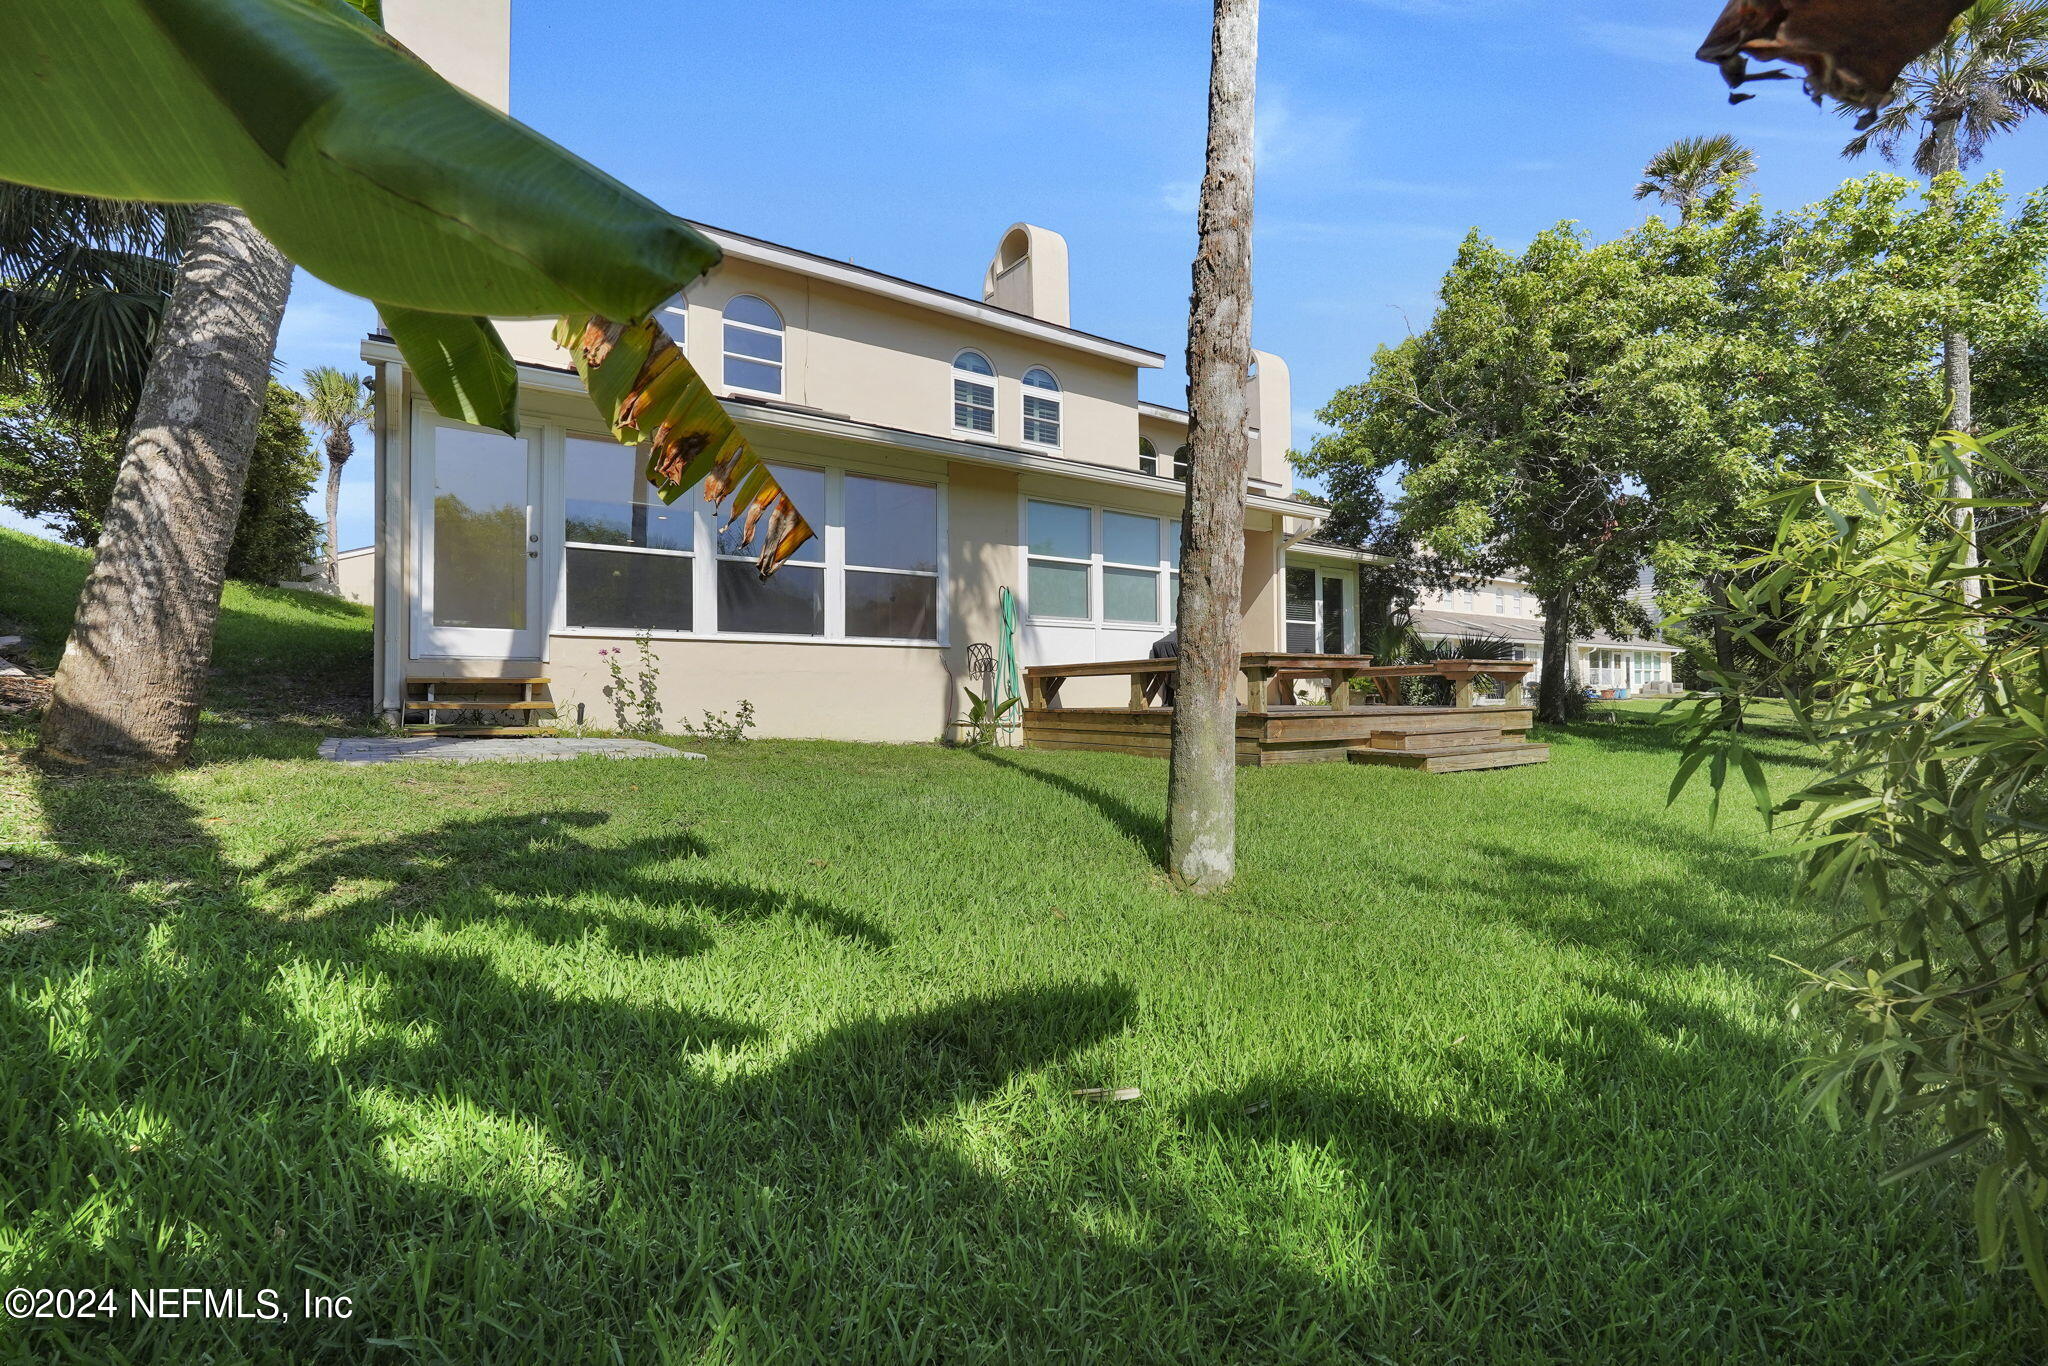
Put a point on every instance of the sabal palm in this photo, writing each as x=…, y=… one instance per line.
x=1690, y=169
x=1987, y=75
x=83, y=284
x=333, y=404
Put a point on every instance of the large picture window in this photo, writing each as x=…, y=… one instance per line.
x=629, y=555
x=791, y=601
x=1130, y=569
x=892, y=559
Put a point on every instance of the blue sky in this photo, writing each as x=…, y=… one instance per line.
x=907, y=137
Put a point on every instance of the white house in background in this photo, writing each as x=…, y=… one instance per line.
x=356, y=573
x=944, y=445
x=1507, y=608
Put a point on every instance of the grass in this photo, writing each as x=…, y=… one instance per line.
x=770, y=1059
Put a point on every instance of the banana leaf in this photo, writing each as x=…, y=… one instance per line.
x=651, y=394
x=363, y=166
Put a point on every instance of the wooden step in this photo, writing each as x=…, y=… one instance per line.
x=477, y=730
x=478, y=704
x=1435, y=739
x=475, y=680
x=1455, y=759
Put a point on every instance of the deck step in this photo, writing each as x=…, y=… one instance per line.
x=1455, y=758
x=478, y=704
x=1436, y=739
x=474, y=680
x=477, y=730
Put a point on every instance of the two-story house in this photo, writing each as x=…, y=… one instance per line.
x=1505, y=608
x=944, y=445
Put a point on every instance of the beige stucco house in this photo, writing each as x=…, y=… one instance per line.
x=946, y=445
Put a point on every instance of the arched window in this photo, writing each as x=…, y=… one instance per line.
x=1041, y=408
x=1148, y=457
x=753, y=345
x=1182, y=466
x=974, y=394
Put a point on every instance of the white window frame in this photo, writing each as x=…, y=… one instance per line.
x=1183, y=462
x=1168, y=573
x=1057, y=396
x=1148, y=457
x=1157, y=569
x=726, y=353
x=1348, y=596
x=704, y=586
x=1089, y=563
x=988, y=382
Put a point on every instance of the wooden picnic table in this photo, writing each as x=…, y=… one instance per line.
x=1266, y=672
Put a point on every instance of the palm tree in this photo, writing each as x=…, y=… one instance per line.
x=334, y=403
x=1201, y=796
x=1690, y=169
x=1982, y=80
x=83, y=284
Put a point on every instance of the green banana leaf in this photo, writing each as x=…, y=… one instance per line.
x=651, y=394
x=363, y=166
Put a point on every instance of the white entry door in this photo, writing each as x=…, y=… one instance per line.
x=476, y=538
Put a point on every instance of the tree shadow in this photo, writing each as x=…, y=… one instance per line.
x=1140, y=827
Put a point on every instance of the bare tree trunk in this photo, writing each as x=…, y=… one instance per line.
x=333, y=522
x=129, y=686
x=1553, y=681
x=1201, y=790
x=1724, y=650
x=1956, y=386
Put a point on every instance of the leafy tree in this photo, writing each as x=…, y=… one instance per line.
x=1983, y=79
x=1494, y=418
x=1691, y=169
x=64, y=471
x=334, y=403
x=275, y=537
x=82, y=284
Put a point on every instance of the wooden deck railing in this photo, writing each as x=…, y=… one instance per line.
x=1266, y=673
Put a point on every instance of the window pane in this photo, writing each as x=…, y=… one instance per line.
x=1173, y=544
x=614, y=588
x=752, y=374
x=745, y=341
x=1172, y=598
x=806, y=488
x=974, y=361
x=611, y=503
x=1301, y=595
x=1333, y=616
x=899, y=606
x=891, y=525
x=745, y=308
x=791, y=602
x=1056, y=529
x=479, y=529
x=1042, y=433
x=1301, y=637
x=1130, y=595
x=974, y=406
x=1041, y=379
x=1057, y=590
x=972, y=419
x=1047, y=408
x=1130, y=540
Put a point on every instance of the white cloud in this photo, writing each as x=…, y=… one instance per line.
x=1292, y=139
x=1181, y=197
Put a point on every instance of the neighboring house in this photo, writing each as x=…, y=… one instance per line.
x=356, y=572
x=944, y=446
x=1507, y=609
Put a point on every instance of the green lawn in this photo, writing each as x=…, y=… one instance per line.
x=770, y=1059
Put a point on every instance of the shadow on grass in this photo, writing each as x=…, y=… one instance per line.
x=259, y=1084
x=1140, y=827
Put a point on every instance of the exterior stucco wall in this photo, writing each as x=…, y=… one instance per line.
x=357, y=572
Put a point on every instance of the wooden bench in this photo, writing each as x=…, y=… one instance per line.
x=1264, y=673
x=1462, y=673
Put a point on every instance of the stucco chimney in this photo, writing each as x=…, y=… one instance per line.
x=1271, y=401
x=468, y=41
x=1029, y=274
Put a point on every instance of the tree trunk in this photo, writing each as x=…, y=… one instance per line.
x=1956, y=387
x=333, y=524
x=127, y=692
x=1553, y=683
x=1201, y=790
x=1724, y=651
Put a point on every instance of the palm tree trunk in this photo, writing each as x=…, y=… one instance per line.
x=1553, y=681
x=127, y=692
x=333, y=522
x=1201, y=791
x=1956, y=387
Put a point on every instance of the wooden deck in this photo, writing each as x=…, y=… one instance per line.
x=1432, y=739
